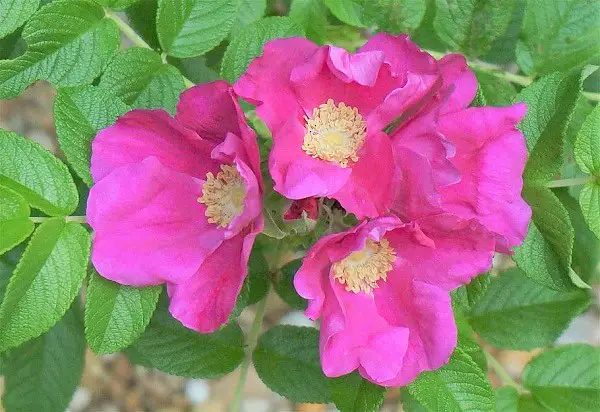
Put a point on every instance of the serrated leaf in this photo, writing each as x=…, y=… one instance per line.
x=459, y=386
x=347, y=11
x=503, y=48
x=589, y=199
x=116, y=315
x=496, y=91
x=311, y=15
x=139, y=78
x=284, y=285
x=565, y=376
x=393, y=16
x=517, y=313
x=79, y=114
x=287, y=361
x=248, y=43
x=467, y=342
x=558, y=35
x=15, y=224
x=169, y=346
x=42, y=375
x=353, y=393
x=546, y=253
x=118, y=4
x=188, y=28
x=13, y=13
x=45, y=282
x=42, y=179
x=69, y=42
x=466, y=296
x=472, y=25
x=587, y=144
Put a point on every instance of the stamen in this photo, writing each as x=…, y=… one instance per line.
x=334, y=133
x=223, y=195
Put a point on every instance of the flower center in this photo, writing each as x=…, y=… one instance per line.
x=361, y=270
x=334, y=133
x=223, y=195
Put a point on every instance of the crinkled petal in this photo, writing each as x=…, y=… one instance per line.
x=491, y=156
x=205, y=301
x=143, y=133
x=148, y=225
x=459, y=82
x=266, y=81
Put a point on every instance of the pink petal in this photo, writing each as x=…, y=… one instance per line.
x=459, y=81
x=205, y=301
x=143, y=133
x=361, y=68
x=149, y=227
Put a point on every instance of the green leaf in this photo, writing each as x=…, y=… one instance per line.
x=188, y=28
x=353, y=393
x=467, y=296
x=517, y=313
x=284, y=285
x=42, y=179
x=249, y=11
x=248, y=43
x=496, y=91
x=558, y=35
x=116, y=315
x=507, y=399
x=42, y=375
x=79, y=114
x=546, y=253
x=311, y=15
x=8, y=262
x=15, y=224
x=503, y=48
x=118, y=4
x=472, y=25
x=13, y=13
x=550, y=104
x=139, y=78
x=347, y=11
x=68, y=43
x=287, y=361
x=587, y=144
x=467, y=342
x=45, y=282
x=565, y=376
x=142, y=19
x=589, y=199
x=458, y=386
x=393, y=16
x=169, y=346
x=258, y=275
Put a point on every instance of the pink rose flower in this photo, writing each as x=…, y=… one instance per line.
x=381, y=290
x=178, y=201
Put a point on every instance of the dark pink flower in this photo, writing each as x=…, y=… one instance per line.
x=178, y=201
x=381, y=290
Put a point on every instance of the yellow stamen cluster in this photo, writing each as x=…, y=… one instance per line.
x=360, y=271
x=334, y=133
x=223, y=195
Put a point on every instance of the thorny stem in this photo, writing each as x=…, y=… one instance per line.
x=570, y=182
x=41, y=219
x=236, y=403
x=136, y=39
x=501, y=372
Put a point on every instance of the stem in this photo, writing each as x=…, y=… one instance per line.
x=41, y=219
x=501, y=372
x=570, y=182
x=236, y=403
x=137, y=40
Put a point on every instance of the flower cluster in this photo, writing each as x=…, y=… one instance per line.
x=387, y=132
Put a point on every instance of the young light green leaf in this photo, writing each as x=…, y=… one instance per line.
x=284, y=285
x=458, y=386
x=42, y=374
x=116, y=315
x=347, y=11
x=139, y=78
x=68, y=43
x=13, y=13
x=589, y=199
x=118, y=4
x=248, y=43
x=393, y=16
x=517, y=313
x=188, y=28
x=45, y=281
x=546, y=253
x=79, y=114
x=169, y=346
x=558, y=35
x=472, y=25
x=15, y=224
x=287, y=360
x=311, y=15
x=587, y=144
x=353, y=393
x=42, y=179
x=565, y=376
x=550, y=104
